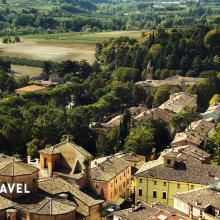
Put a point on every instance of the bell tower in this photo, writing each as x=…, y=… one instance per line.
x=150, y=71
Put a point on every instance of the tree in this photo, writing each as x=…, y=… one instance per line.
x=47, y=68
x=213, y=144
x=205, y=90
x=182, y=119
x=140, y=140
x=138, y=94
x=161, y=95
x=7, y=82
x=191, y=73
x=5, y=40
x=123, y=130
x=185, y=63
x=107, y=142
x=13, y=132
x=215, y=99
x=17, y=39
x=34, y=146
x=23, y=81
x=212, y=39
x=126, y=74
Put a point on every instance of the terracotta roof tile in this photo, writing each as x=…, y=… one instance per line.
x=58, y=185
x=183, y=172
x=201, y=198
x=108, y=169
x=14, y=168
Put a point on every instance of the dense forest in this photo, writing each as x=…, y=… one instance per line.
x=42, y=16
x=107, y=88
x=188, y=52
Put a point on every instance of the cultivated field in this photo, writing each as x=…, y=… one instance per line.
x=44, y=51
x=59, y=47
x=81, y=37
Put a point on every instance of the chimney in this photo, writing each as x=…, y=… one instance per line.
x=28, y=159
x=37, y=163
x=11, y=214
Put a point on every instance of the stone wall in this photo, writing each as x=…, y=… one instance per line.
x=30, y=180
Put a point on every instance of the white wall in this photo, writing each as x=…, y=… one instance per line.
x=196, y=212
x=181, y=206
x=115, y=217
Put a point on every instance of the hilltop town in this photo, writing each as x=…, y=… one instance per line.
x=65, y=181
x=134, y=135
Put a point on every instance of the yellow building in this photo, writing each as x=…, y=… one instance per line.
x=159, y=180
x=136, y=161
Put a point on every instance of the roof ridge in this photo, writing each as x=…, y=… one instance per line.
x=76, y=146
x=59, y=143
x=193, y=190
x=7, y=164
x=101, y=172
x=43, y=205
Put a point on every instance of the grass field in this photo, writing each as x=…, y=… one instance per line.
x=32, y=72
x=80, y=37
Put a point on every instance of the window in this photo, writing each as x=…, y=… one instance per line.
x=128, y=181
x=116, y=180
x=34, y=181
x=192, y=186
x=140, y=180
x=124, y=185
x=140, y=192
x=155, y=182
x=97, y=185
x=128, y=170
x=154, y=194
x=164, y=183
x=45, y=163
x=124, y=173
x=164, y=195
x=178, y=186
x=168, y=161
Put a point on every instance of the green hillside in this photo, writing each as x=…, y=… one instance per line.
x=46, y=17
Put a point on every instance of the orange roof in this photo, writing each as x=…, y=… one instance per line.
x=31, y=88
